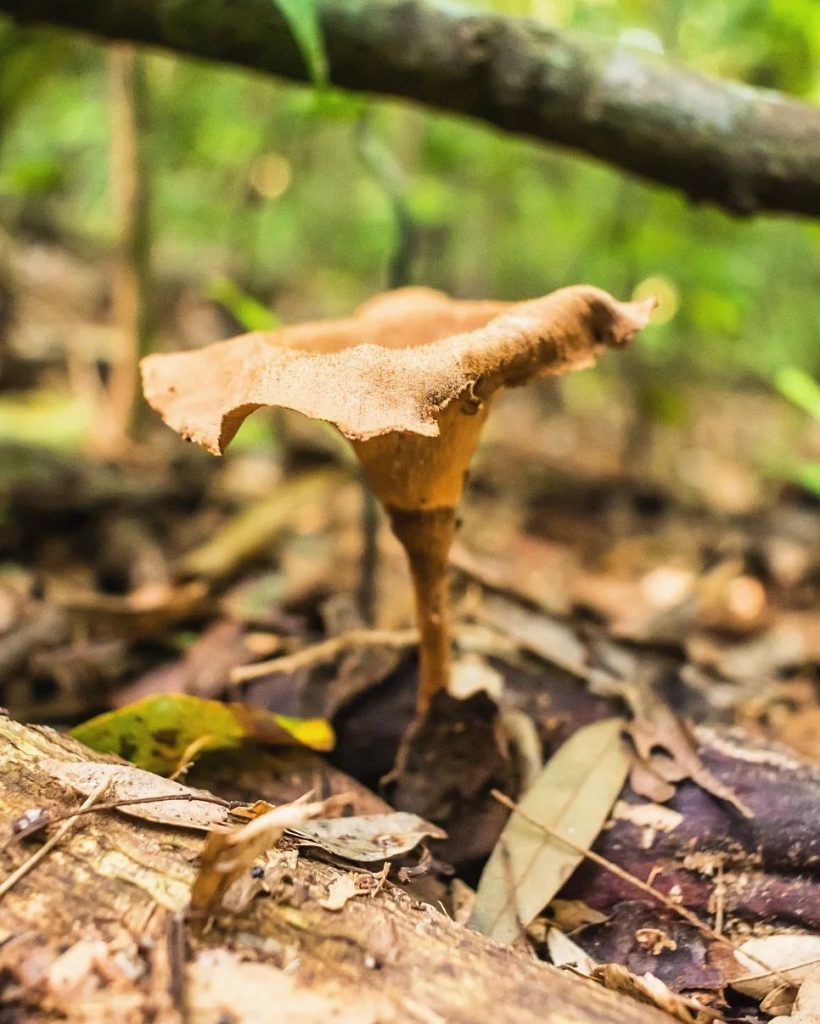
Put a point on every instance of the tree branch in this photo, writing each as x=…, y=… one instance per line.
x=741, y=148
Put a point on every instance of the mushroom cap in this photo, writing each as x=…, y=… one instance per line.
x=394, y=366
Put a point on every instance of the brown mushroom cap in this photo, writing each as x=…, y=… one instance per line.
x=395, y=365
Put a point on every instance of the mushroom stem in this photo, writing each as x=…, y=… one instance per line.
x=427, y=535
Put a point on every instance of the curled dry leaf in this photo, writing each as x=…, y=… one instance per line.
x=194, y=809
x=368, y=837
x=570, y=915
x=647, y=988
x=409, y=380
x=806, y=1008
x=655, y=726
x=228, y=854
x=572, y=797
x=652, y=816
x=537, y=633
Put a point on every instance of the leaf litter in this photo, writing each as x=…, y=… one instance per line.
x=646, y=988
x=573, y=796
x=228, y=855
x=755, y=660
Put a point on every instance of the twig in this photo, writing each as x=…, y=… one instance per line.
x=115, y=805
x=8, y=884
x=778, y=974
x=175, y=951
x=627, y=876
x=189, y=755
x=326, y=651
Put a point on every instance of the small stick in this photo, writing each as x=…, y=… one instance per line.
x=8, y=884
x=326, y=651
x=189, y=755
x=175, y=951
x=627, y=876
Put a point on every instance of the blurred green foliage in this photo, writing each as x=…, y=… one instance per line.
x=804, y=392
x=303, y=20
x=799, y=388
x=263, y=184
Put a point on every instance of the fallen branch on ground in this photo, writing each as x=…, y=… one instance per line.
x=384, y=958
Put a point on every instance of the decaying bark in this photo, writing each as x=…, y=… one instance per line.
x=764, y=868
x=743, y=148
x=108, y=895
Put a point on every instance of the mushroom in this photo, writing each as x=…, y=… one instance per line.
x=409, y=379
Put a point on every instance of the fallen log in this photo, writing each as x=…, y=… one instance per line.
x=96, y=932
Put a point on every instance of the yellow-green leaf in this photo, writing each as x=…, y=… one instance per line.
x=156, y=733
x=571, y=797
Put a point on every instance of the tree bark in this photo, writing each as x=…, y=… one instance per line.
x=131, y=195
x=742, y=148
x=108, y=900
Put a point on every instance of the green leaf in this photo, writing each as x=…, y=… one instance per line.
x=808, y=476
x=244, y=308
x=158, y=732
x=572, y=797
x=800, y=389
x=302, y=17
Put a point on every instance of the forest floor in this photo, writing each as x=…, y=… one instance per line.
x=666, y=575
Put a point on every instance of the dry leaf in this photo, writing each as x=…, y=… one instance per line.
x=340, y=890
x=650, y=818
x=256, y=527
x=645, y=781
x=537, y=633
x=566, y=953
x=655, y=725
x=780, y=1001
x=145, y=611
x=572, y=796
x=649, y=989
x=654, y=816
x=569, y=915
x=368, y=837
x=806, y=1008
x=792, y=955
x=227, y=854
x=128, y=783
